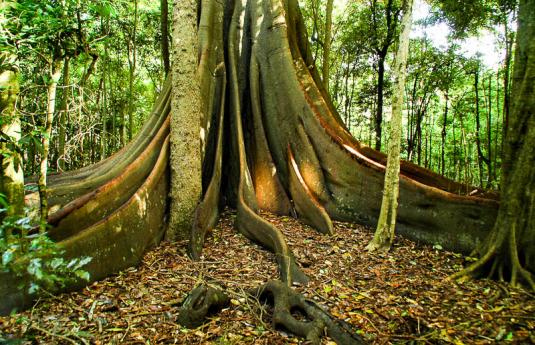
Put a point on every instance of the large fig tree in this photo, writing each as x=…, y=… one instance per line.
x=272, y=140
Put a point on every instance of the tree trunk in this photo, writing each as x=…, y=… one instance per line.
x=509, y=39
x=55, y=74
x=327, y=43
x=132, y=58
x=443, y=135
x=185, y=122
x=380, y=101
x=11, y=176
x=509, y=250
x=164, y=22
x=271, y=139
x=384, y=233
x=63, y=113
x=480, y=157
x=489, y=137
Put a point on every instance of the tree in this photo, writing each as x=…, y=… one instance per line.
x=507, y=253
x=272, y=140
x=185, y=122
x=327, y=43
x=384, y=233
x=164, y=23
x=383, y=34
x=11, y=176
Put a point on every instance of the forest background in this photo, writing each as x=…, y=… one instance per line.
x=108, y=60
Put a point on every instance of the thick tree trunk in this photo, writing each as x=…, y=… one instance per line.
x=271, y=139
x=384, y=233
x=185, y=122
x=11, y=176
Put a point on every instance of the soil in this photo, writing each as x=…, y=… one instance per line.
x=399, y=297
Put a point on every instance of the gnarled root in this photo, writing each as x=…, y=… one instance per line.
x=287, y=303
x=200, y=303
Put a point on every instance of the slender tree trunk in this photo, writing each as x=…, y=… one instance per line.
x=384, y=233
x=480, y=156
x=327, y=43
x=497, y=129
x=186, y=111
x=55, y=74
x=443, y=135
x=420, y=117
x=489, y=136
x=380, y=101
x=352, y=94
x=164, y=22
x=132, y=70
x=63, y=115
x=346, y=99
x=478, y=129
x=509, y=38
x=410, y=126
x=104, y=115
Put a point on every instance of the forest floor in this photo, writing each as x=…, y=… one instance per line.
x=398, y=297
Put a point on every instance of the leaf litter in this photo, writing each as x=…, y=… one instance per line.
x=398, y=297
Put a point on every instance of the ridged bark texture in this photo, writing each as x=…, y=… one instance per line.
x=185, y=121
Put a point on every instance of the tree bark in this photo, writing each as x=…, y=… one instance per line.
x=480, y=157
x=509, y=40
x=327, y=43
x=164, y=22
x=11, y=176
x=384, y=233
x=63, y=113
x=380, y=101
x=132, y=62
x=55, y=74
x=185, y=122
x=443, y=135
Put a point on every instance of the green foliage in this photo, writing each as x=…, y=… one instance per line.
x=440, y=104
x=35, y=258
x=105, y=44
x=468, y=17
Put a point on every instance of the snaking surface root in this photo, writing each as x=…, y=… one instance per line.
x=313, y=323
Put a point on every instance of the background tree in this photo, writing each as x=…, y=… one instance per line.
x=327, y=43
x=384, y=233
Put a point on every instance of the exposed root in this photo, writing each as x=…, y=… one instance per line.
x=306, y=204
x=207, y=211
x=498, y=264
x=473, y=269
x=291, y=312
x=290, y=305
x=200, y=303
